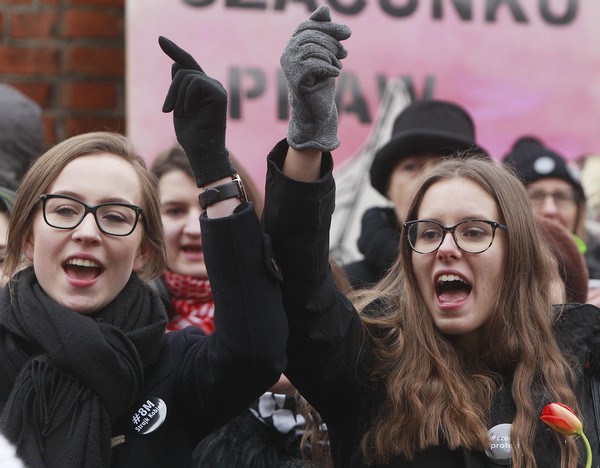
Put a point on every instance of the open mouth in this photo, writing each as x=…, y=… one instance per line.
x=452, y=288
x=83, y=270
x=193, y=249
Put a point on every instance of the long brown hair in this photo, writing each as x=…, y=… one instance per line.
x=437, y=391
x=48, y=167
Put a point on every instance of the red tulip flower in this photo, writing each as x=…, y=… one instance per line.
x=563, y=420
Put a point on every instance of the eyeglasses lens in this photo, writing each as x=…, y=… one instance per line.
x=470, y=236
x=114, y=219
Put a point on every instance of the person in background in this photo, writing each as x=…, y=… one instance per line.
x=422, y=132
x=184, y=285
x=88, y=376
x=555, y=190
x=458, y=347
x=21, y=134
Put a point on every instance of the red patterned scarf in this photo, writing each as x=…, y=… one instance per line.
x=192, y=300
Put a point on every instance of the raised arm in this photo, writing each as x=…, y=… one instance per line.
x=246, y=353
x=325, y=331
x=199, y=106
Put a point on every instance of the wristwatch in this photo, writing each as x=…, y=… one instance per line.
x=233, y=189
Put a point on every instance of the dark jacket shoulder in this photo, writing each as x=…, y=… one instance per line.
x=378, y=242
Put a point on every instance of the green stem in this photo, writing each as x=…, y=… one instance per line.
x=588, y=450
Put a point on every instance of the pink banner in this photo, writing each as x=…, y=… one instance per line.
x=518, y=66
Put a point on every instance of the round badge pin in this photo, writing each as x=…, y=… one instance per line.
x=149, y=416
x=500, y=446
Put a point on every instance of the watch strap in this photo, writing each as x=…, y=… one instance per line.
x=233, y=189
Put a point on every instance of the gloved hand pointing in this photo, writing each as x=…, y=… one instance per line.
x=199, y=105
x=310, y=63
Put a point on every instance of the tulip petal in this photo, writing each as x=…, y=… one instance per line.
x=559, y=425
x=561, y=418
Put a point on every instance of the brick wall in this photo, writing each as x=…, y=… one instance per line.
x=67, y=55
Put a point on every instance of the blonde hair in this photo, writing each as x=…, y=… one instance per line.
x=437, y=391
x=48, y=167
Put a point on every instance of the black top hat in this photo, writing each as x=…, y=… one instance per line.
x=429, y=126
x=532, y=161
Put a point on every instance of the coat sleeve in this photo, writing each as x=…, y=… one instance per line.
x=245, y=355
x=325, y=331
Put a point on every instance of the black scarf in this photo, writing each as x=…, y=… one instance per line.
x=65, y=376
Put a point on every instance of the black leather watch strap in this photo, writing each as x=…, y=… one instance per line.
x=232, y=189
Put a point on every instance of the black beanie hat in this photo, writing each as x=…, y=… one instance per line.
x=428, y=126
x=532, y=161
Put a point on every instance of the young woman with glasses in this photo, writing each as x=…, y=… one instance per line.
x=456, y=348
x=449, y=360
x=88, y=376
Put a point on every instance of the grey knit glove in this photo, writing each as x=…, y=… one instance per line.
x=199, y=106
x=310, y=63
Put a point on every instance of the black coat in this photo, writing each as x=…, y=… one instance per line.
x=206, y=380
x=244, y=441
x=326, y=335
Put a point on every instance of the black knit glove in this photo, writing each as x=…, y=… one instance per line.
x=310, y=63
x=199, y=105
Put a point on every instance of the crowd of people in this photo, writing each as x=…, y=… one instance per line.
x=173, y=316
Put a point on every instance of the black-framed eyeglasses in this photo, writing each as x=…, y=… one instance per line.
x=114, y=219
x=471, y=236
